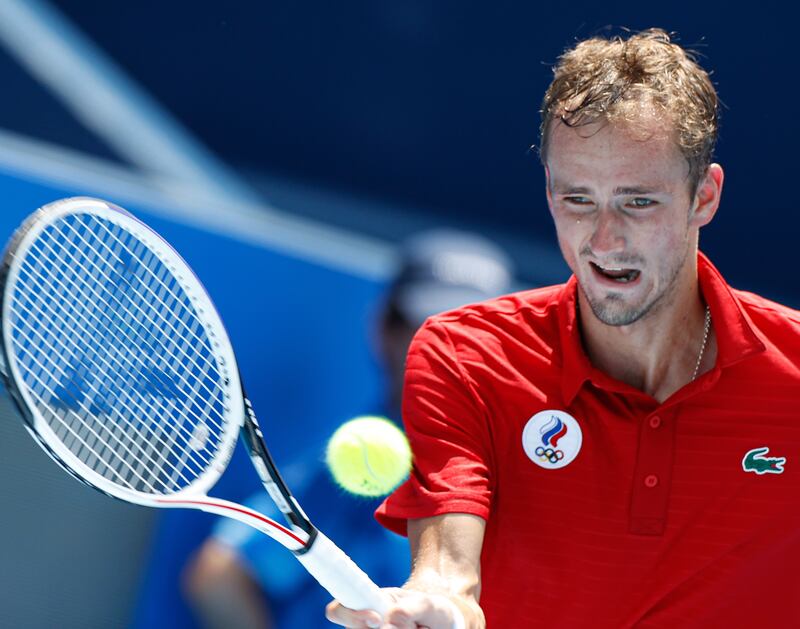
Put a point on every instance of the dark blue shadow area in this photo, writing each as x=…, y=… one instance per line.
x=435, y=104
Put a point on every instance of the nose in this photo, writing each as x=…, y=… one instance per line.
x=608, y=235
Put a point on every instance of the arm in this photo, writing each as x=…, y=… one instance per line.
x=445, y=552
x=221, y=591
x=446, y=555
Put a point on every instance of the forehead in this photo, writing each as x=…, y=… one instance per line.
x=640, y=152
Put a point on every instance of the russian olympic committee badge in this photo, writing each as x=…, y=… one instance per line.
x=552, y=439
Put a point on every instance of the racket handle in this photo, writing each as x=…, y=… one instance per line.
x=343, y=579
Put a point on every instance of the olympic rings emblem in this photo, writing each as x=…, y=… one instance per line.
x=554, y=456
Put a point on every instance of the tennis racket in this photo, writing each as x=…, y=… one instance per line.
x=124, y=374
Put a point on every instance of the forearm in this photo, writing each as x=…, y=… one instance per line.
x=446, y=562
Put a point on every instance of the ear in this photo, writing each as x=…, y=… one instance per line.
x=707, y=197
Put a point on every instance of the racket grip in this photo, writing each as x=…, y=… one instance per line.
x=343, y=579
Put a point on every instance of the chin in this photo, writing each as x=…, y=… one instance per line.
x=617, y=310
x=617, y=316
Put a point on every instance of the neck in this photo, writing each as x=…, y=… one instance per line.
x=658, y=353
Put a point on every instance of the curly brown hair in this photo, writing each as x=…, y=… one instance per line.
x=612, y=79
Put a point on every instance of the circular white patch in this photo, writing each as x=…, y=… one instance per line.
x=552, y=439
x=199, y=437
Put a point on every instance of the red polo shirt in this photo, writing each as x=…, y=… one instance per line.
x=605, y=508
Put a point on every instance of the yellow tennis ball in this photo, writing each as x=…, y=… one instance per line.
x=368, y=456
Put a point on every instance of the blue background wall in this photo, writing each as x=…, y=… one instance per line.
x=433, y=105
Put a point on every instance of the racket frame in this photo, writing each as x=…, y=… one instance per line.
x=322, y=558
x=13, y=259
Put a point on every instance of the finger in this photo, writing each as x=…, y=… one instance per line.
x=341, y=615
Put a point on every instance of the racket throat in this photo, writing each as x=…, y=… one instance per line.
x=269, y=475
x=294, y=540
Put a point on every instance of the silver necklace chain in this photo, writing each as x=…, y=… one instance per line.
x=706, y=329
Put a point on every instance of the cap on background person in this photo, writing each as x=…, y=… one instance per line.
x=444, y=269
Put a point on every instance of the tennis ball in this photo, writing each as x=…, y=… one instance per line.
x=368, y=456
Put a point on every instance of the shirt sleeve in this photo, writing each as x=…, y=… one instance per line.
x=447, y=427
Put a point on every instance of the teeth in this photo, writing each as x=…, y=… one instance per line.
x=620, y=274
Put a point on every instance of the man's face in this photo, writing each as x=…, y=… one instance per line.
x=621, y=204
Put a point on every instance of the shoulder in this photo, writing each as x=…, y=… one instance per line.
x=527, y=306
x=527, y=318
x=770, y=310
x=777, y=325
x=769, y=316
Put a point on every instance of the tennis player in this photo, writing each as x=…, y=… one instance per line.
x=624, y=449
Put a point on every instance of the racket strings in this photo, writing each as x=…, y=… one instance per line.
x=113, y=444
x=142, y=339
x=158, y=442
x=79, y=347
x=89, y=445
x=141, y=298
x=166, y=337
x=175, y=333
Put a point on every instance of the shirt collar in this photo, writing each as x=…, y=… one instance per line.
x=736, y=336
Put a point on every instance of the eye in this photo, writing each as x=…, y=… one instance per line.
x=641, y=203
x=578, y=200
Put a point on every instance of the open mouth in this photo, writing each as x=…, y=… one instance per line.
x=616, y=274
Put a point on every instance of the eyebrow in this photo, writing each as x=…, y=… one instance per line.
x=621, y=191
x=635, y=190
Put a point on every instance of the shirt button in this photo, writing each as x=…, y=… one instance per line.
x=655, y=421
x=650, y=481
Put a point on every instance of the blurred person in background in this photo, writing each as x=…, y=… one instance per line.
x=240, y=578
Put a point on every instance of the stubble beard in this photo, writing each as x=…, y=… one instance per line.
x=612, y=309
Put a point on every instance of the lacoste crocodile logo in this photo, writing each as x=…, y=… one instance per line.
x=756, y=461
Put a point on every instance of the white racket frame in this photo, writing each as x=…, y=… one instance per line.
x=321, y=557
x=194, y=495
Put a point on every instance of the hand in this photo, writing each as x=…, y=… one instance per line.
x=411, y=610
